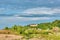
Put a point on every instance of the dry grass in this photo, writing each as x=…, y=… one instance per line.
x=10, y=37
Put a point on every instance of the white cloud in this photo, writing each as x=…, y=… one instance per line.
x=42, y=10
x=33, y=18
x=22, y=19
x=51, y=1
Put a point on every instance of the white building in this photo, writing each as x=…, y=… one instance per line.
x=33, y=24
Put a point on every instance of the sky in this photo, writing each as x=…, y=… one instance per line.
x=24, y=12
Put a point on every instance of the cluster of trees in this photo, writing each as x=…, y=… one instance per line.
x=28, y=30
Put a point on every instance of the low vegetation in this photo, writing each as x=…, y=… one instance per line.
x=43, y=31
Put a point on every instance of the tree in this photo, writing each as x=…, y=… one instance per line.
x=6, y=28
x=14, y=28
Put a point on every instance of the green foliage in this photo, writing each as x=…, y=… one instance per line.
x=6, y=28
x=40, y=29
x=45, y=25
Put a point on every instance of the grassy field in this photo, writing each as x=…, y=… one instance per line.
x=42, y=36
x=42, y=31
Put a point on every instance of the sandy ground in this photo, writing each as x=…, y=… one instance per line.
x=10, y=37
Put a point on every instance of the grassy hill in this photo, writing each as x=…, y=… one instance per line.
x=42, y=31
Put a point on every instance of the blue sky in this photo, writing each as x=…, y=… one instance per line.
x=23, y=12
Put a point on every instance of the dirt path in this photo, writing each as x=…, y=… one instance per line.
x=10, y=37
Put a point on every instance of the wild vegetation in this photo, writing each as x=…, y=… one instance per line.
x=43, y=31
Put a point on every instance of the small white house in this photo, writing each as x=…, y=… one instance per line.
x=33, y=24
